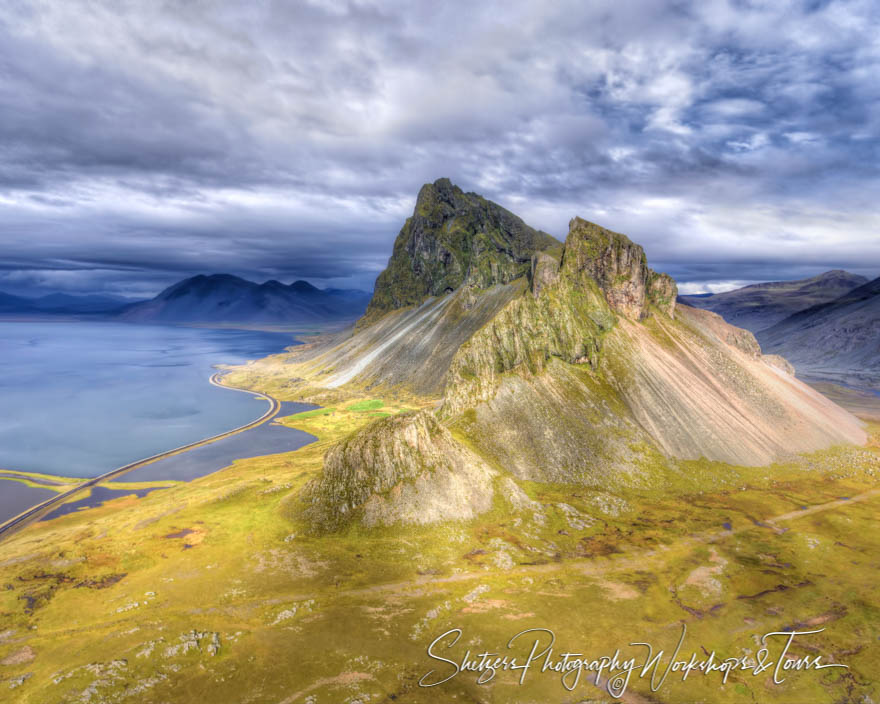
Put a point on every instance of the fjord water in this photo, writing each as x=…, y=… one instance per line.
x=81, y=398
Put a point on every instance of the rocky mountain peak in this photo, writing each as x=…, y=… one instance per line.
x=619, y=267
x=453, y=238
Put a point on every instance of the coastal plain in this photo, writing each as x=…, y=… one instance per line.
x=216, y=589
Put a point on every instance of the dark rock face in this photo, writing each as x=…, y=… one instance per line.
x=454, y=238
x=619, y=267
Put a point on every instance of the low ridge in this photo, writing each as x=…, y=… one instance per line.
x=833, y=340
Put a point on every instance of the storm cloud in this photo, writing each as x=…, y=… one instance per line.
x=141, y=142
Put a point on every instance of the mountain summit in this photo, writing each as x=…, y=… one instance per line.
x=453, y=238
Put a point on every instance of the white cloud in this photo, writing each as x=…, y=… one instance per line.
x=287, y=134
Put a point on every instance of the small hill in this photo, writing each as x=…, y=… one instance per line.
x=223, y=298
x=841, y=336
x=760, y=306
x=402, y=469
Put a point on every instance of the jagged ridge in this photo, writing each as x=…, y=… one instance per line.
x=572, y=307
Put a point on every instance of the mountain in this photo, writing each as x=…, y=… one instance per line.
x=453, y=239
x=61, y=304
x=223, y=298
x=840, y=336
x=759, y=306
x=15, y=304
x=569, y=365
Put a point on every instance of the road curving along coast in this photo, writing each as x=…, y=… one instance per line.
x=36, y=512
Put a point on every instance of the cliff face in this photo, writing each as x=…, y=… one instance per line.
x=453, y=238
x=574, y=303
x=619, y=267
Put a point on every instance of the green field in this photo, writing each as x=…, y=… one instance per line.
x=216, y=590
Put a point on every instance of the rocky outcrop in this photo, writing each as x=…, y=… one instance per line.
x=403, y=469
x=572, y=306
x=453, y=238
x=662, y=292
x=781, y=363
x=619, y=267
x=544, y=272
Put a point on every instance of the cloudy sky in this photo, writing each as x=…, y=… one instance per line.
x=141, y=142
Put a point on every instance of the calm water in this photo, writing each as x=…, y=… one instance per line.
x=79, y=399
x=266, y=439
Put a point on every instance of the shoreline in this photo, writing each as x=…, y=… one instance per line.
x=38, y=511
x=304, y=329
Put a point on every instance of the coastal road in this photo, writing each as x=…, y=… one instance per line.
x=36, y=512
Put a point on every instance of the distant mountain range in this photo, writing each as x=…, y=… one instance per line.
x=223, y=298
x=218, y=298
x=760, y=306
x=836, y=336
x=61, y=304
x=828, y=326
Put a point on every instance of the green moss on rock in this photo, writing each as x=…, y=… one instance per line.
x=453, y=238
x=619, y=267
x=405, y=469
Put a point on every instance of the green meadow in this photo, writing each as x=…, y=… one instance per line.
x=216, y=589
